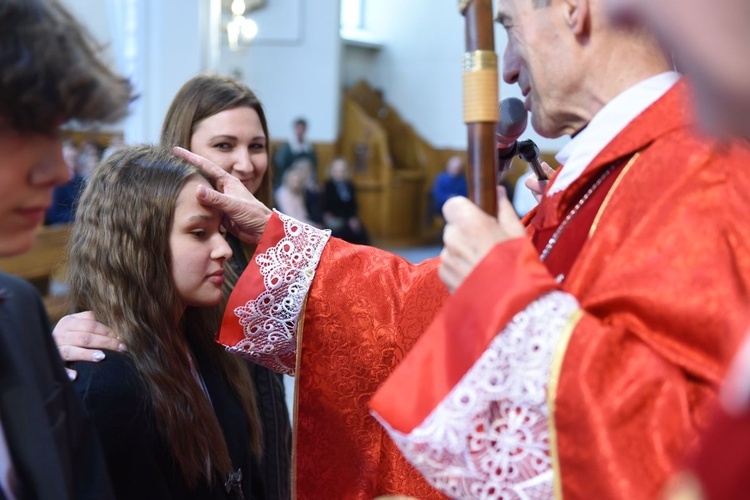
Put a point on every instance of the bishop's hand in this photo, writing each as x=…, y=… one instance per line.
x=246, y=217
x=470, y=234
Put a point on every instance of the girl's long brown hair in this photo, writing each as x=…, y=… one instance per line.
x=120, y=268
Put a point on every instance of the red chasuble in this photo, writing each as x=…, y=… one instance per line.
x=339, y=317
x=718, y=469
x=595, y=387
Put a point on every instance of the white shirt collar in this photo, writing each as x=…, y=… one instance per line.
x=576, y=155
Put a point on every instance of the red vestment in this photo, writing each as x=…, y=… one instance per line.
x=595, y=387
x=340, y=327
x=718, y=469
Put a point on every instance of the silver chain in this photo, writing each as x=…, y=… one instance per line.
x=556, y=235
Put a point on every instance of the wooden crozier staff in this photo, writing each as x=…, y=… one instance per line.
x=480, y=83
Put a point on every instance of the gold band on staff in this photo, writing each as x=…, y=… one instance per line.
x=480, y=82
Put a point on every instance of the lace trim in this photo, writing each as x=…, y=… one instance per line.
x=269, y=322
x=489, y=438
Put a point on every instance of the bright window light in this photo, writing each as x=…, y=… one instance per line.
x=352, y=14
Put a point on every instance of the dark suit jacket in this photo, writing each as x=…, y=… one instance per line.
x=140, y=464
x=64, y=199
x=340, y=201
x=54, y=449
x=284, y=157
x=333, y=202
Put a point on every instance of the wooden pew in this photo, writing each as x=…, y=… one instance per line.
x=395, y=168
x=45, y=260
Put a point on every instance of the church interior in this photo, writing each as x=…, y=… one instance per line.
x=378, y=83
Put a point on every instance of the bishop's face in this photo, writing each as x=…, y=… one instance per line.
x=540, y=57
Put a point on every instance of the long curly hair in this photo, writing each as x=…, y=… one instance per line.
x=206, y=95
x=51, y=71
x=120, y=268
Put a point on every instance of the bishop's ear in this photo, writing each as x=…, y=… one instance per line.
x=577, y=16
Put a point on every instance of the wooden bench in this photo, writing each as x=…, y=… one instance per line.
x=44, y=262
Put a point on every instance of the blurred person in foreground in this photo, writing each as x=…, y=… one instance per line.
x=709, y=41
x=50, y=73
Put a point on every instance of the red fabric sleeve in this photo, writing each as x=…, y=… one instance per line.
x=461, y=332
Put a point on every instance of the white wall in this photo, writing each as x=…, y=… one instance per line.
x=419, y=67
x=173, y=49
x=295, y=64
x=156, y=43
x=294, y=72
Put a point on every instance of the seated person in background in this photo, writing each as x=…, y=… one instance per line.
x=295, y=194
x=451, y=182
x=152, y=267
x=62, y=210
x=339, y=205
x=312, y=190
x=291, y=151
x=88, y=158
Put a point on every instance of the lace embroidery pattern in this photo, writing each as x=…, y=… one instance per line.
x=269, y=322
x=489, y=438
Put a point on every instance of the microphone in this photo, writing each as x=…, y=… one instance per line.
x=529, y=152
x=512, y=123
x=513, y=120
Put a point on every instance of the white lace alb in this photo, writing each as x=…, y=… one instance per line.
x=489, y=438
